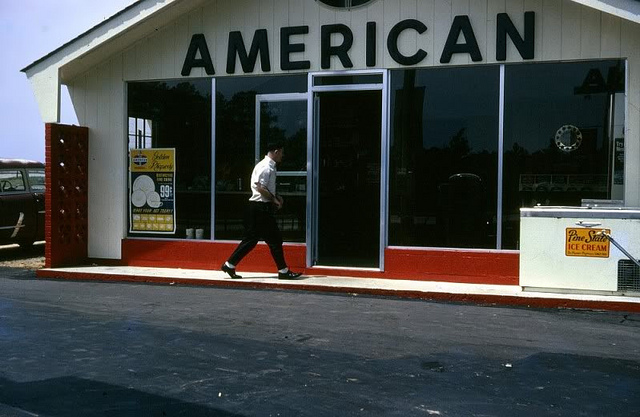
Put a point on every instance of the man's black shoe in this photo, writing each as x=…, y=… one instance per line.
x=230, y=271
x=289, y=275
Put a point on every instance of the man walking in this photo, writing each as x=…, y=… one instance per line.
x=261, y=223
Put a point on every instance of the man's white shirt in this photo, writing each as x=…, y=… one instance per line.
x=263, y=173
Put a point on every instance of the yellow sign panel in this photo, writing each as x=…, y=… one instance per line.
x=152, y=160
x=586, y=242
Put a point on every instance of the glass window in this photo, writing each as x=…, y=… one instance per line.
x=443, y=157
x=236, y=150
x=36, y=179
x=140, y=133
x=561, y=123
x=11, y=180
x=347, y=79
x=177, y=114
x=285, y=121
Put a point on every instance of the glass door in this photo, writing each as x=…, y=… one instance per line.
x=348, y=190
x=283, y=118
x=349, y=179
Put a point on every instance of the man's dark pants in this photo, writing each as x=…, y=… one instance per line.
x=260, y=225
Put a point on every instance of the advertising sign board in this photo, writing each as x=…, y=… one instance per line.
x=151, y=186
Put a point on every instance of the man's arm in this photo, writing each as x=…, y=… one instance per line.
x=264, y=191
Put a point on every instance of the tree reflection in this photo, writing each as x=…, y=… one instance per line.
x=180, y=112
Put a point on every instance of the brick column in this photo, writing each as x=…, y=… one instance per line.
x=66, y=156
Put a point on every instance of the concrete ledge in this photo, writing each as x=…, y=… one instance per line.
x=508, y=295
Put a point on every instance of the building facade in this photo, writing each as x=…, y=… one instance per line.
x=415, y=130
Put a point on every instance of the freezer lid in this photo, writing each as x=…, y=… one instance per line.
x=582, y=212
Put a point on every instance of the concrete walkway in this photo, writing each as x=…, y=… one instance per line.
x=428, y=290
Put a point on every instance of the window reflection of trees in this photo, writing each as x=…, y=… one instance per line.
x=276, y=114
x=235, y=144
x=540, y=99
x=181, y=116
x=443, y=181
x=235, y=152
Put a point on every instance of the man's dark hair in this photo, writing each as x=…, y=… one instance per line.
x=273, y=146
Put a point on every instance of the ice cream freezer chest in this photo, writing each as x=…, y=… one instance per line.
x=567, y=249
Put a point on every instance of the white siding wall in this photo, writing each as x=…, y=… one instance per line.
x=564, y=31
x=630, y=48
x=99, y=101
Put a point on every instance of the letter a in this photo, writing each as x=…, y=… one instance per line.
x=198, y=44
x=461, y=24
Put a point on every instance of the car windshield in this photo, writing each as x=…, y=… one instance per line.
x=36, y=179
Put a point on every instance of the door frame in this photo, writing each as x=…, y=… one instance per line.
x=313, y=152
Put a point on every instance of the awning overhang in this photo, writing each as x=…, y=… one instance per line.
x=624, y=9
x=144, y=17
x=115, y=34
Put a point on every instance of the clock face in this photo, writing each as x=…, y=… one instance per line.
x=345, y=4
x=568, y=138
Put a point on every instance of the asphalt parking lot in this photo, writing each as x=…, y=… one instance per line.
x=71, y=348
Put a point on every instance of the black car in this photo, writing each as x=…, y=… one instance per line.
x=21, y=201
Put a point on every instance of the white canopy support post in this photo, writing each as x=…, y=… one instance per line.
x=46, y=88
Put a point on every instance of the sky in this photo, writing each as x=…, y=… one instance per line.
x=30, y=29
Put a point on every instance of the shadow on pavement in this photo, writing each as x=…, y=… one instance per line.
x=70, y=396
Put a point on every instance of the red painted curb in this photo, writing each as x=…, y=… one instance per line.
x=481, y=299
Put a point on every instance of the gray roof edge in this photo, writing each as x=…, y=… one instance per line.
x=93, y=29
x=624, y=9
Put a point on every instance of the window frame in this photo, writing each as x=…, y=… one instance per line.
x=8, y=179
